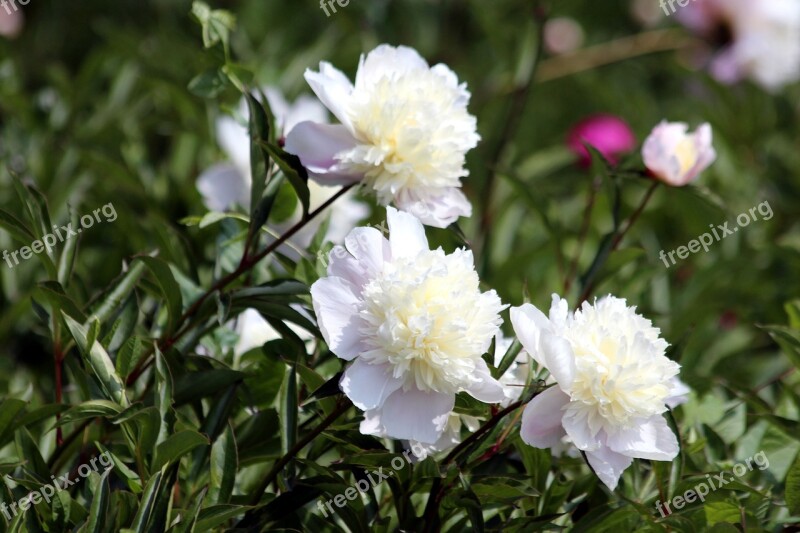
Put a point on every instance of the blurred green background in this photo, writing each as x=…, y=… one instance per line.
x=94, y=108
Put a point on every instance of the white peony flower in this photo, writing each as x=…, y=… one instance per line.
x=764, y=40
x=405, y=131
x=676, y=157
x=415, y=324
x=613, y=382
x=227, y=184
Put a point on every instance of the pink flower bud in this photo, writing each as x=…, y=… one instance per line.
x=676, y=157
x=610, y=135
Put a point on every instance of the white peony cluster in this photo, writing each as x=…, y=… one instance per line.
x=405, y=131
x=415, y=324
x=613, y=384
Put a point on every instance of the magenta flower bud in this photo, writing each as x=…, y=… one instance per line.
x=610, y=135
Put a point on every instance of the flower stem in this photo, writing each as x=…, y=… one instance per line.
x=342, y=406
x=247, y=263
x=616, y=241
x=430, y=516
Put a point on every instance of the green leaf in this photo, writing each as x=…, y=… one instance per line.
x=508, y=359
x=148, y=503
x=163, y=397
x=99, y=509
x=100, y=363
x=122, y=288
x=258, y=128
x=294, y=171
x=169, y=288
x=209, y=84
x=224, y=465
x=217, y=24
x=66, y=261
x=793, y=488
x=29, y=451
x=197, y=385
x=721, y=512
x=15, y=227
x=90, y=409
x=288, y=415
x=176, y=446
x=788, y=340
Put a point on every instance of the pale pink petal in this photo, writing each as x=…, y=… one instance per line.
x=336, y=307
x=333, y=89
x=317, y=146
x=406, y=234
x=487, y=389
x=608, y=465
x=343, y=265
x=541, y=420
x=652, y=439
x=416, y=415
x=223, y=186
x=370, y=248
x=439, y=209
x=368, y=385
x=232, y=137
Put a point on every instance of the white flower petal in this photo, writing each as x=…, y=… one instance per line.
x=529, y=323
x=488, y=389
x=438, y=209
x=608, y=465
x=333, y=89
x=387, y=62
x=370, y=248
x=336, y=307
x=406, y=234
x=223, y=186
x=416, y=415
x=317, y=146
x=652, y=439
x=558, y=359
x=678, y=393
x=541, y=420
x=576, y=424
x=367, y=385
